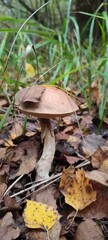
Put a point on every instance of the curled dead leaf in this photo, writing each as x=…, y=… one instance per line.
x=91, y=143
x=7, y=229
x=100, y=159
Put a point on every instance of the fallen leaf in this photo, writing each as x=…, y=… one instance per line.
x=100, y=159
x=26, y=166
x=39, y=234
x=88, y=230
x=74, y=141
x=4, y=169
x=38, y=215
x=96, y=93
x=36, y=234
x=91, y=143
x=86, y=121
x=61, y=136
x=29, y=69
x=67, y=120
x=104, y=166
x=14, y=133
x=99, y=208
x=31, y=94
x=98, y=176
x=68, y=129
x=3, y=102
x=26, y=154
x=71, y=159
x=65, y=147
x=7, y=228
x=3, y=188
x=49, y=196
x=9, y=143
x=2, y=153
x=84, y=106
x=11, y=204
x=76, y=188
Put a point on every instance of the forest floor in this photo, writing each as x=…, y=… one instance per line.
x=73, y=202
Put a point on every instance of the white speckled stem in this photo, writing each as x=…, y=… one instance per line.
x=44, y=163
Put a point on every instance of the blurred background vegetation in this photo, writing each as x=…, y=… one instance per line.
x=69, y=42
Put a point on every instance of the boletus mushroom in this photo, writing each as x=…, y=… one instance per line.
x=45, y=102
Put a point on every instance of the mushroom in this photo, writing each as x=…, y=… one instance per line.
x=45, y=102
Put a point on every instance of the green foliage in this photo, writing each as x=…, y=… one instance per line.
x=62, y=57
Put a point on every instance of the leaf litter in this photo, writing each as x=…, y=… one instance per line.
x=88, y=194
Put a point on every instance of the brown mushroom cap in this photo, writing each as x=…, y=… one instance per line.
x=45, y=101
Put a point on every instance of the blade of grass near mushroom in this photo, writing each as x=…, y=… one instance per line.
x=45, y=102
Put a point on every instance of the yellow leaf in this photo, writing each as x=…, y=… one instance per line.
x=38, y=215
x=76, y=188
x=30, y=70
x=9, y=143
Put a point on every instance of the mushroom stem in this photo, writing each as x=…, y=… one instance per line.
x=44, y=163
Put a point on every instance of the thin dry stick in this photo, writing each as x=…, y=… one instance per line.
x=35, y=185
x=36, y=191
x=9, y=188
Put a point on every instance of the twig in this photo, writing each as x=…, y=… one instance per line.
x=23, y=199
x=36, y=185
x=9, y=188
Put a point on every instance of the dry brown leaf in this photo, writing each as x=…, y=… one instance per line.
x=100, y=159
x=7, y=229
x=11, y=204
x=2, y=153
x=99, y=208
x=96, y=93
x=104, y=166
x=84, y=106
x=91, y=143
x=47, y=196
x=67, y=120
x=71, y=159
x=65, y=148
x=3, y=187
x=41, y=235
x=31, y=94
x=9, y=143
x=98, y=176
x=61, y=136
x=26, y=166
x=86, y=121
x=14, y=133
x=26, y=152
x=88, y=230
x=3, y=102
x=68, y=129
x=36, y=235
x=74, y=141
x=4, y=169
x=62, y=238
x=76, y=188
